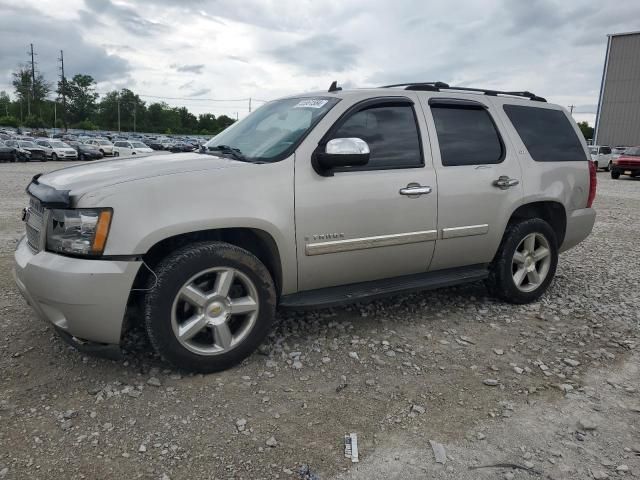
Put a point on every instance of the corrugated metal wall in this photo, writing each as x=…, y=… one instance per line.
x=619, y=119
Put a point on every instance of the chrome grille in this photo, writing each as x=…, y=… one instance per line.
x=35, y=225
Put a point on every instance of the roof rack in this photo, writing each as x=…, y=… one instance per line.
x=439, y=86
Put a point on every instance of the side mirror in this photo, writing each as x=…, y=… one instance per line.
x=341, y=152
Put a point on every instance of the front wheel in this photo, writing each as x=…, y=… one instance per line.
x=525, y=263
x=595, y=164
x=54, y=157
x=211, y=306
x=116, y=154
x=615, y=174
x=608, y=167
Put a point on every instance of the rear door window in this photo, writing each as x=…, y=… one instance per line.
x=466, y=135
x=546, y=133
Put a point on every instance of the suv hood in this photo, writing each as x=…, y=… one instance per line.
x=81, y=179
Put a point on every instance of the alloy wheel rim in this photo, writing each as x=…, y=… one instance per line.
x=214, y=311
x=531, y=262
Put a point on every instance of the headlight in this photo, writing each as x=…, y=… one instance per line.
x=82, y=231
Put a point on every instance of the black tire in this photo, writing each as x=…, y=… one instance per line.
x=615, y=174
x=82, y=158
x=595, y=164
x=133, y=153
x=500, y=281
x=54, y=157
x=608, y=167
x=172, y=273
x=116, y=154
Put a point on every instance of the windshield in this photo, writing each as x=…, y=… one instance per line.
x=138, y=145
x=632, y=152
x=59, y=145
x=594, y=151
x=27, y=144
x=274, y=129
x=104, y=142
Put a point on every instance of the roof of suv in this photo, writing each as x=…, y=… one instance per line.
x=522, y=97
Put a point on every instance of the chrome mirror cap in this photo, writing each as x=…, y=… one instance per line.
x=347, y=146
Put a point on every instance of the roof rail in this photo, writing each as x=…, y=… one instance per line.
x=438, y=86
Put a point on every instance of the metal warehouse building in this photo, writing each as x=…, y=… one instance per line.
x=618, y=116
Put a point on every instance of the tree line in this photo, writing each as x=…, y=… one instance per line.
x=78, y=105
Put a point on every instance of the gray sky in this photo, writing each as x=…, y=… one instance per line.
x=235, y=49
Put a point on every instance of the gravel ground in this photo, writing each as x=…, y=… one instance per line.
x=548, y=390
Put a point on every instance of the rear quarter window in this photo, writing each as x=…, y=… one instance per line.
x=547, y=134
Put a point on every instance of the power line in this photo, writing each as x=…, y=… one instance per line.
x=248, y=99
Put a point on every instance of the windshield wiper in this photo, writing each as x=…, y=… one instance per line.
x=234, y=152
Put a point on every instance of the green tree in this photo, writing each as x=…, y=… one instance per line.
x=5, y=102
x=207, y=123
x=29, y=92
x=9, y=121
x=224, y=122
x=81, y=97
x=586, y=130
x=33, y=121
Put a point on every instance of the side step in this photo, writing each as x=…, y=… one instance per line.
x=357, y=292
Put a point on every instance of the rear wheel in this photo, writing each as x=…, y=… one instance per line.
x=116, y=154
x=525, y=263
x=608, y=167
x=82, y=157
x=615, y=174
x=595, y=164
x=212, y=305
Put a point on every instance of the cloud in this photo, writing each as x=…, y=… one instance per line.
x=123, y=16
x=200, y=92
x=319, y=53
x=197, y=69
x=23, y=25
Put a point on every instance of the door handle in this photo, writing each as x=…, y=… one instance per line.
x=415, y=190
x=504, y=182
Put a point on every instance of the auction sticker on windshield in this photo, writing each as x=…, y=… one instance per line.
x=311, y=103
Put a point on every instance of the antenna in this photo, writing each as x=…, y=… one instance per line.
x=334, y=87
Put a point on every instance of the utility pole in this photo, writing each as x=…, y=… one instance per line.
x=571, y=107
x=118, y=100
x=64, y=91
x=249, y=104
x=55, y=114
x=33, y=77
x=134, y=118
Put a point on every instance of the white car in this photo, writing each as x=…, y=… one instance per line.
x=57, y=150
x=601, y=156
x=105, y=146
x=126, y=148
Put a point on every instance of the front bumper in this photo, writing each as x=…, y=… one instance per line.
x=579, y=225
x=83, y=298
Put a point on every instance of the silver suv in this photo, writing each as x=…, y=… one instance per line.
x=313, y=200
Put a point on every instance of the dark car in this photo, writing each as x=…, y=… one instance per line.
x=154, y=144
x=87, y=151
x=29, y=149
x=7, y=154
x=180, y=147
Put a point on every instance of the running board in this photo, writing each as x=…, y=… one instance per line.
x=357, y=292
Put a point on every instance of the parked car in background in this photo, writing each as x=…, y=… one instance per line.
x=180, y=147
x=57, y=150
x=35, y=152
x=7, y=154
x=617, y=151
x=627, y=164
x=126, y=148
x=87, y=151
x=104, y=145
x=154, y=145
x=601, y=156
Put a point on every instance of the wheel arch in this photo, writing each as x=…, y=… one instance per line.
x=258, y=242
x=550, y=211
